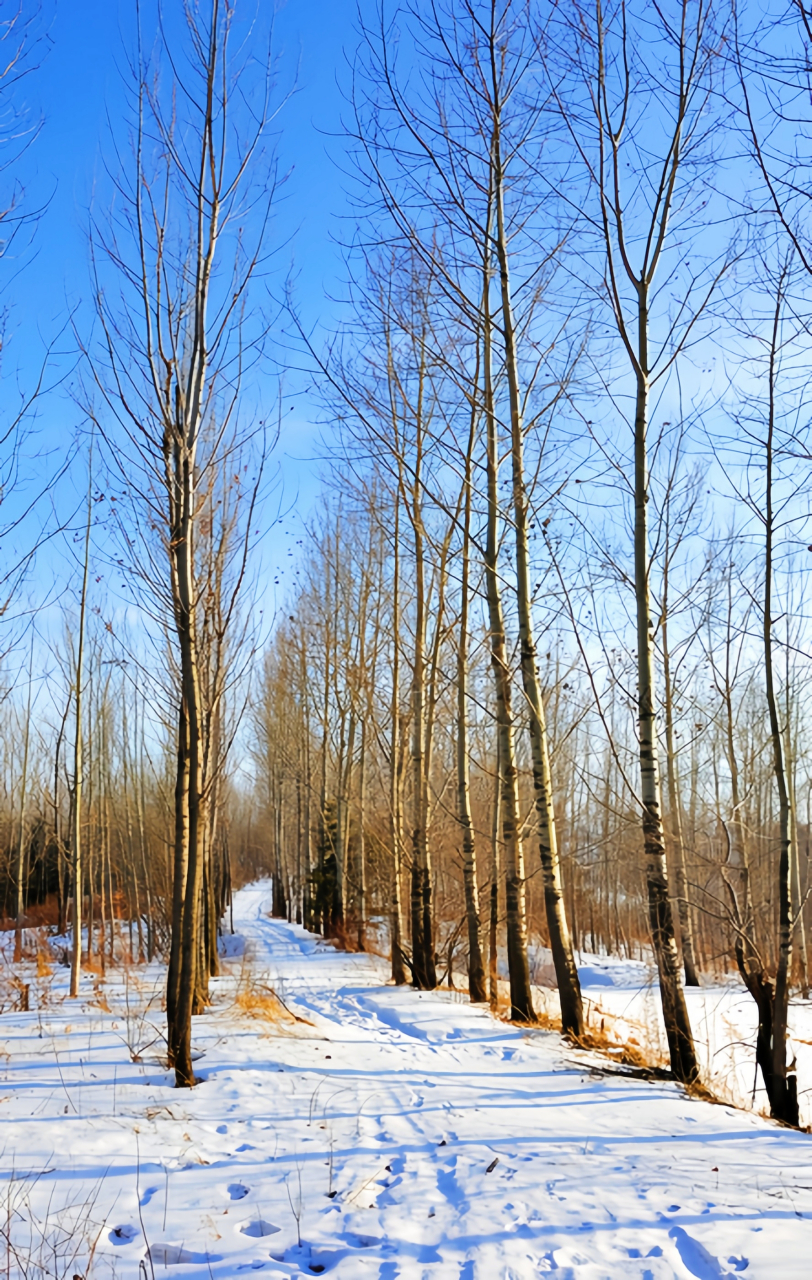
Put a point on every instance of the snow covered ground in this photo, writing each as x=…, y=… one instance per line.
x=378, y=1133
x=623, y=997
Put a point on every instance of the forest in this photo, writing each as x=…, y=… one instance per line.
x=534, y=685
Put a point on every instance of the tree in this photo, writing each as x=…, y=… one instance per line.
x=452, y=154
x=768, y=424
x=185, y=244
x=77, y=866
x=476, y=969
x=651, y=72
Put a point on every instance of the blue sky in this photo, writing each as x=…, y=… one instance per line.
x=78, y=91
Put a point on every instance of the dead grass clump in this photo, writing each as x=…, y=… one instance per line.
x=258, y=1001
x=37, y=915
x=100, y=998
x=20, y=995
x=94, y=963
x=630, y=1058
x=547, y=1021
x=543, y=1021
x=627, y=1053
x=701, y=1091
x=631, y=1043
x=342, y=938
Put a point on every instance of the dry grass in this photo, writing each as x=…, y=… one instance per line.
x=100, y=998
x=256, y=1000
x=345, y=938
x=94, y=964
x=26, y=986
x=638, y=1054
x=36, y=916
x=59, y=1241
x=629, y=1057
x=543, y=1020
x=625, y=1054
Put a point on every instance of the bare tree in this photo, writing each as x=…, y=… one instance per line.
x=188, y=236
x=476, y=969
x=78, y=753
x=453, y=156
x=768, y=424
x=649, y=204
x=679, y=505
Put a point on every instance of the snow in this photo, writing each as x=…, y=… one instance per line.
x=369, y=1131
x=624, y=996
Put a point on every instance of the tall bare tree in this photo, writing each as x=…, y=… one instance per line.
x=649, y=206
x=185, y=242
x=77, y=866
x=768, y=425
x=454, y=156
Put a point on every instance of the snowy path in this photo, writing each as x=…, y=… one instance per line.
x=411, y=1135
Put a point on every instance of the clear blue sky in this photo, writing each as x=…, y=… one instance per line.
x=79, y=93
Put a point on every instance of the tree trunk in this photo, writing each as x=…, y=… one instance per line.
x=360, y=861
x=307, y=896
x=781, y=1085
x=521, y=999
x=476, y=970
x=179, y=875
x=142, y=843
x=182, y=552
x=798, y=932
x=675, y=811
x=345, y=778
x=493, y=923
x=399, y=975
x=569, y=987
x=78, y=763
x=424, y=973
x=675, y=1011
x=20, y=872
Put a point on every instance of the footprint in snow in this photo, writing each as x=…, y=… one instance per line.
x=696, y=1257
x=123, y=1234
x=258, y=1228
x=236, y=1190
x=173, y=1255
x=147, y=1196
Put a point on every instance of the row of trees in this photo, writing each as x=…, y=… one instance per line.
x=549, y=294
x=124, y=804
x=576, y=307
x=130, y=815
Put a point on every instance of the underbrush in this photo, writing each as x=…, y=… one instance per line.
x=256, y=998
x=27, y=984
x=60, y=1242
